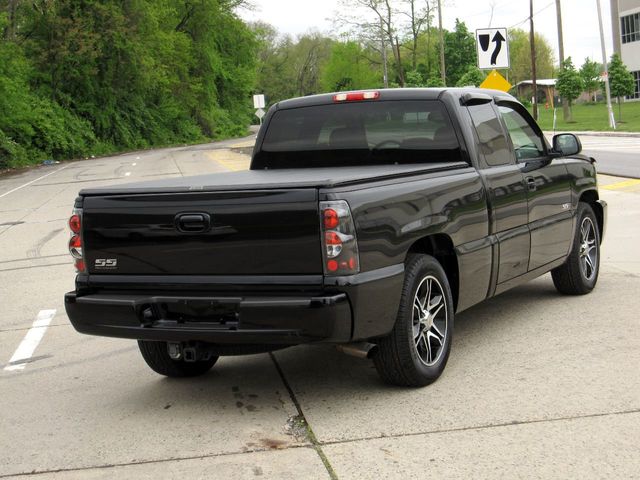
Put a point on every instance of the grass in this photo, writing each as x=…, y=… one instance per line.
x=592, y=117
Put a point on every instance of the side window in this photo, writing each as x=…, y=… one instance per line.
x=526, y=143
x=493, y=143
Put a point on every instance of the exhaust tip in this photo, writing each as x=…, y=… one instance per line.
x=363, y=350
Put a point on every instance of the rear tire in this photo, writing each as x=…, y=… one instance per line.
x=156, y=354
x=579, y=274
x=415, y=353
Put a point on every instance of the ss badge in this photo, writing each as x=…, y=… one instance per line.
x=106, y=263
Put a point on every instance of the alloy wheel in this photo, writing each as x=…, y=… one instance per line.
x=430, y=320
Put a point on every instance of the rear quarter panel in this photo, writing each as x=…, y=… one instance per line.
x=391, y=217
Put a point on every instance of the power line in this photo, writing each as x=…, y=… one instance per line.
x=536, y=13
x=484, y=12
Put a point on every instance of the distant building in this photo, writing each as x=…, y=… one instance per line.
x=625, y=22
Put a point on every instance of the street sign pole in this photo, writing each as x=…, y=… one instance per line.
x=612, y=120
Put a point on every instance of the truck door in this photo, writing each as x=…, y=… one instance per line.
x=506, y=192
x=548, y=187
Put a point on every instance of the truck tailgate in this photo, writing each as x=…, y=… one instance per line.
x=248, y=232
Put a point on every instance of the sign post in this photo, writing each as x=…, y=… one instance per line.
x=258, y=104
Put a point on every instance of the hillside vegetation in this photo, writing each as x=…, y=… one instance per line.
x=90, y=77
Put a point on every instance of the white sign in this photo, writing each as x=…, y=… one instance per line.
x=260, y=113
x=258, y=101
x=493, y=48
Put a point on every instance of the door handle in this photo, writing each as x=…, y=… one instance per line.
x=192, y=222
x=531, y=184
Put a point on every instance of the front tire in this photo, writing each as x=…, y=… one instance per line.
x=156, y=354
x=415, y=353
x=579, y=274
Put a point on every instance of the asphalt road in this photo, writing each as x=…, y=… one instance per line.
x=538, y=385
x=618, y=156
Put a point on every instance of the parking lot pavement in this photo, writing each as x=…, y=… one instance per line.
x=538, y=384
x=573, y=448
x=526, y=356
x=290, y=464
x=91, y=401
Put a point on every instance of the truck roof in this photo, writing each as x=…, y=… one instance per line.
x=394, y=94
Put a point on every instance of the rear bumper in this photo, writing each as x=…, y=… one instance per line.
x=338, y=310
x=214, y=319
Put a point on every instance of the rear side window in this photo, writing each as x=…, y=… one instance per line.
x=362, y=133
x=493, y=143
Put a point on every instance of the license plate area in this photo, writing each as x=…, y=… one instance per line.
x=223, y=313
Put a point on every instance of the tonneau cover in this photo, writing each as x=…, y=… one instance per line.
x=275, y=179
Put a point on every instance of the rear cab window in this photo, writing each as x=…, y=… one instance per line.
x=359, y=133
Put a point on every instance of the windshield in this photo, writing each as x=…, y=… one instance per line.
x=363, y=133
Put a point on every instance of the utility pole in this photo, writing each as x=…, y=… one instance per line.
x=615, y=27
x=443, y=73
x=612, y=120
x=565, y=105
x=533, y=61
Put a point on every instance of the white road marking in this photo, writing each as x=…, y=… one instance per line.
x=32, y=181
x=127, y=174
x=31, y=340
x=134, y=164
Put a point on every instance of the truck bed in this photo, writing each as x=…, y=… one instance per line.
x=276, y=179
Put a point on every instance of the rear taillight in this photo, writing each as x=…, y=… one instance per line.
x=339, y=243
x=75, y=224
x=75, y=242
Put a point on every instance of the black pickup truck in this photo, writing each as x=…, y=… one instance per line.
x=367, y=219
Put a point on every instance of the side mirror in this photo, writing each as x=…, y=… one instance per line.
x=566, y=144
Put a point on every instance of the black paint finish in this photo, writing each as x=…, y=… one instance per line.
x=492, y=227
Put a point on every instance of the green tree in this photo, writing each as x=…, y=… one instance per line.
x=426, y=53
x=569, y=84
x=435, y=82
x=415, y=79
x=621, y=81
x=520, y=56
x=590, y=73
x=459, y=52
x=287, y=67
x=33, y=127
x=473, y=77
x=96, y=76
x=348, y=69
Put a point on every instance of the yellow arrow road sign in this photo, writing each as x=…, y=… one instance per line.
x=495, y=81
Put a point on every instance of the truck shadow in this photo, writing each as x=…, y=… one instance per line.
x=508, y=319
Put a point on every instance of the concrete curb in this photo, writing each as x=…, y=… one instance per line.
x=598, y=134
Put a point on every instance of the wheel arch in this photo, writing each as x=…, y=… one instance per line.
x=440, y=246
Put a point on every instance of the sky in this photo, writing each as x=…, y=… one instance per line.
x=579, y=19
